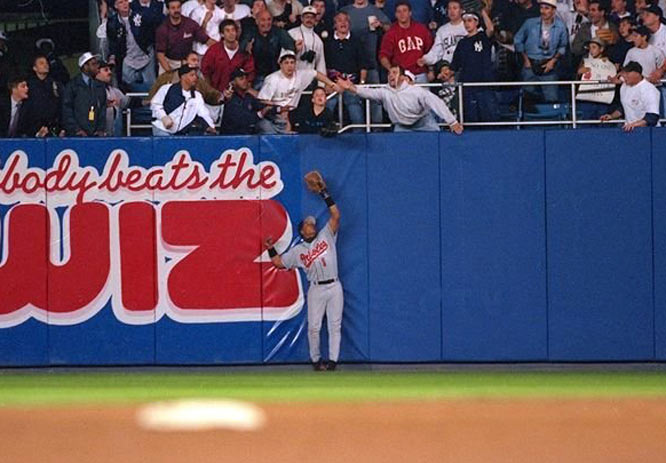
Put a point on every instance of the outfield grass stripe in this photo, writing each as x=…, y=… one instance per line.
x=56, y=388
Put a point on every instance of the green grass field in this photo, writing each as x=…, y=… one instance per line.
x=34, y=389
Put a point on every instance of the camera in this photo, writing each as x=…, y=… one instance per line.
x=309, y=56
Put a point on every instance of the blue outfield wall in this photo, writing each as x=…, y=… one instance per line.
x=493, y=246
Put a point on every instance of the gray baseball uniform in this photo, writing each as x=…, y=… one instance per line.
x=319, y=259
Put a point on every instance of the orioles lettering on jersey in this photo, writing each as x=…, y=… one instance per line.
x=316, y=251
x=410, y=43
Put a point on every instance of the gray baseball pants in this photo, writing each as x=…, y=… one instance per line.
x=325, y=299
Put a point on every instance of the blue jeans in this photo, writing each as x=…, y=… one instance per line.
x=140, y=80
x=352, y=104
x=662, y=108
x=550, y=93
x=426, y=124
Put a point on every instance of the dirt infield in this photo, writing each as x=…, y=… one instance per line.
x=456, y=430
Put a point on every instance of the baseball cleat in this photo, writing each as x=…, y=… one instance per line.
x=330, y=366
x=319, y=365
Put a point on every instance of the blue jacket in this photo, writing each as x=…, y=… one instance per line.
x=528, y=39
x=143, y=21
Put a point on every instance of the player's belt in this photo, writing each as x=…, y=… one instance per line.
x=325, y=282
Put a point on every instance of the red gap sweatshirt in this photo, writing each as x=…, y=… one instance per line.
x=403, y=46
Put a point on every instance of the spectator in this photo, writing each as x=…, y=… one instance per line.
x=84, y=101
x=652, y=19
x=597, y=27
x=405, y=43
x=639, y=100
x=116, y=101
x=178, y=109
x=249, y=24
x=516, y=15
x=323, y=21
x=594, y=100
x=447, y=92
x=265, y=46
x=235, y=11
x=12, y=111
x=648, y=56
x=211, y=95
x=422, y=10
x=447, y=36
x=42, y=108
x=284, y=87
x=439, y=14
x=309, y=47
x=409, y=107
x=367, y=23
x=57, y=70
x=244, y=114
x=209, y=16
x=618, y=11
x=131, y=43
x=175, y=37
x=315, y=117
x=575, y=19
x=189, y=6
x=344, y=56
x=285, y=13
x=542, y=42
x=618, y=52
x=472, y=63
x=226, y=56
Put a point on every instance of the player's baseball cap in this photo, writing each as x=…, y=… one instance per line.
x=285, y=53
x=238, y=72
x=84, y=58
x=632, y=66
x=309, y=10
x=308, y=219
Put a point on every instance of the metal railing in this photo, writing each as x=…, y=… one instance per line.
x=368, y=125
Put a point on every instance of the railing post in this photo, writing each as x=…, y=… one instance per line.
x=573, y=105
x=129, y=122
x=340, y=110
x=367, y=116
x=461, y=118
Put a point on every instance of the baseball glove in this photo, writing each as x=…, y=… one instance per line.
x=314, y=181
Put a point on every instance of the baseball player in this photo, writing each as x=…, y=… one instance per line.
x=317, y=255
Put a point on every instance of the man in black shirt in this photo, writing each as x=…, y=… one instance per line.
x=243, y=113
x=265, y=44
x=42, y=108
x=472, y=62
x=344, y=59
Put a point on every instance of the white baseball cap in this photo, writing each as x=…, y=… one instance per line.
x=551, y=3
x=3, y=36
x=309, y=10
x=39, y=42
x=84, y=58
x=411, y=75
x=286, y=52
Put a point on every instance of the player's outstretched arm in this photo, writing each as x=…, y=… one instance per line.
x=315, y=183
x=272, y=253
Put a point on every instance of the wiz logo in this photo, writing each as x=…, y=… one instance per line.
x=124, y=238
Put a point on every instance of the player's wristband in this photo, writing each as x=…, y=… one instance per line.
x=272, y=252
x=326, y=196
